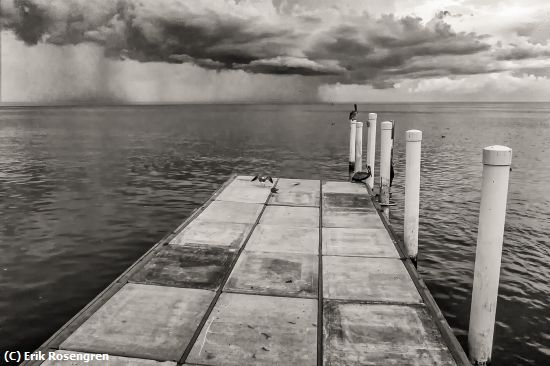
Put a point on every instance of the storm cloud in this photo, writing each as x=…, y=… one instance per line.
x=276, y=37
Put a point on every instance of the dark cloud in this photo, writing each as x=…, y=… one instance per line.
x=355, y=49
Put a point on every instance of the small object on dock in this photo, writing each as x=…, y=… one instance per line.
x=442, y=136
x=274, y=190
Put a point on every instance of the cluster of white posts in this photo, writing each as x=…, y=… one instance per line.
x=494, y=191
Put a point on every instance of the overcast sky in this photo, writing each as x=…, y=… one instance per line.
x=274, y=50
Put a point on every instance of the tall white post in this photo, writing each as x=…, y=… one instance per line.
x=412, y=192
x=371, y=147
x=352, y=129
x=358, y=146
x=385, y=161
x=492, y=212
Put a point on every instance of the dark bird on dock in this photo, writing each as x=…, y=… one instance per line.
x=262, y=178
x=353, y=114
x=361, y=176
x=274, y=190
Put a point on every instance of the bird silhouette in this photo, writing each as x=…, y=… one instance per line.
x=353, y=114
x=361, y=176
x=262, y=178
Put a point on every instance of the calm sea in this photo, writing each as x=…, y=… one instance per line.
x=84, y=191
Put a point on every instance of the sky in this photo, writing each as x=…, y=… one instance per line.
x=187, y=51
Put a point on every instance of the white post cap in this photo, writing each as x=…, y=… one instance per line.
x=372, y=116
x=386, y=125
x=352, y=121
x=414, y=135
x=359, y=124
x=497, y=155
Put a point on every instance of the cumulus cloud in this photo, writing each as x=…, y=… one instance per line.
x=324, y=44
x=264, y=37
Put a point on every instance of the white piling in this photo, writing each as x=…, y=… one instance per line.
x=385, y=161
x=358, y=146
x=371, y=147
x=352, y=130
x=492, y=212
x=412, y=192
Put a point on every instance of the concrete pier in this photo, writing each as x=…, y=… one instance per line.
x=310, y=275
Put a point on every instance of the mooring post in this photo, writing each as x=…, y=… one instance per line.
x=385, y=164
x=352, y=130
x=492, y=212
x=371, y=147
x=412, y=192
x=358, y=146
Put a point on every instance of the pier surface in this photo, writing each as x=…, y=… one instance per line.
x=309, y=275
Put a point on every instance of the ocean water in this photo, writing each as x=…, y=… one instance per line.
x=85, y=191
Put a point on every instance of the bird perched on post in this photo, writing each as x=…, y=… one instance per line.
x=353, y=114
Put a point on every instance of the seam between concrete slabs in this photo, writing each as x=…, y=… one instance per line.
x=222, y=284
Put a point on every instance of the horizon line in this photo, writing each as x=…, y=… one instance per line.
x=153, y=104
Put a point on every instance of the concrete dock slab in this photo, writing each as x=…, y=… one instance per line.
x=368, y=279
x=285, y=198
x=62, y=358
x=359, y=219
x=245, y=191
x=358, y=242
x=299, y=185
x=291, y=216
x=348, y=201
x=281, y=274
x=344, y=187
x=187, y=266
x=369, y=334
x=226, y=234
x=237, y=212
x=143, y=321
x=271, y=238
x=258, y=330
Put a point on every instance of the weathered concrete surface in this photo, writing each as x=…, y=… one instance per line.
x=297, y=192
x=241, y=190
x=294, y=199
x=299, y=185
x=238, y=212
x=358, y=242
x=344, y=187
x=359, y=219
x=291, y=216
x=227, y=234
x=143, y=321
x=258, y=330
x=368, y=279
x=113, y=361
x=369, y=334
x=348, y=201
x=187, y=266
x=282, y=274
x=272, y=238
